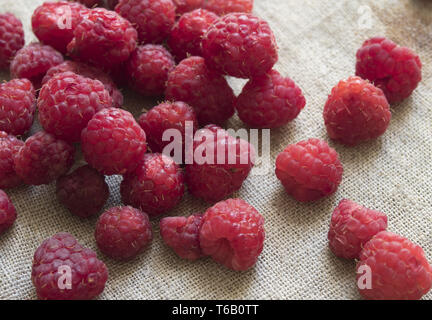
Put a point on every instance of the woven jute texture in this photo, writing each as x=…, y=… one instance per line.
x=318, y=41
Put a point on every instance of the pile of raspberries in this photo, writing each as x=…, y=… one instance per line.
x=183, y=50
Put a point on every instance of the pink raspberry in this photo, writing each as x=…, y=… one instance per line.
x=203, y=89
x=9, y=146
x=309, y=170
x=11, y=38
x=222, y=7
x=183, y=6
x=7, y=212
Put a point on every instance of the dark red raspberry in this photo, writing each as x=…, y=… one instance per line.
x=222, y=7
x=103, y=38
x=7, y=212
x=55, y=258
x=240, y=45
x=398, y=268
x=123, y=232
x=351, y=226
x=83, y=192
x=395, y=70
x=9, y=146
x=152, y=19
x=187, y=33
x=33, y=61
x=232, y=233
x=17, y=106
x=148, y=69
x=156, y=186
x=182, y=235
x=269, y=101
x=183, y=6
x=111, y=4
x=204, y=90
x=356, y=111
x=11, y=38
x=113, y=142
x=90, y=3
x=43, y=159
x=309, y=170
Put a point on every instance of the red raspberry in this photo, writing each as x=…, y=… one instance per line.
x=156, y=186
x=309, y=170
x=103, y=38
x=222, y=7
x=111, y=4
x=399, y=268
x=351, y=226
x=148, y=69
x=7, y=212
x=187, y=33
x=33, y=61
x=269, y=101
x=152, y=19
x=43, y=159
x=123, y=232
x=240, y=45
x=182, y=235
x=395, y=70
x=113, y=142
x=11, y=38
x=232, y=233
x=51, y=262
x=91, y=3
x=17, y=106
x=183, y=6
x=84, y=192
x=204, y=90
x=9, y=146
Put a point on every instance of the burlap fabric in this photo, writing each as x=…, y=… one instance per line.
x=318, y=40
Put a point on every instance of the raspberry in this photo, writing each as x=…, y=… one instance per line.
x=68, y=101
x=182, y=235
x=226, y=164
x=113, y=143
x=356, y=111
x=55, y=258
x=43, y=159
x=148, y=69
x=91, y=3
x=7, y=212
x=183, y=6
x=395, y=70
x=11, y=38
x=156, y=186
x=153, y=19
x=204, y=90
x=33, y=61
x=399, y=268
x=123, y=232
x=269, y=101
x=103, y=38
x=17, y=106
x=222, y=7
x=187, y=33
x=351, y=226
x=232, y=233
x=240, y=45
x=309, y=170
x=84, y=192
x=9, y=146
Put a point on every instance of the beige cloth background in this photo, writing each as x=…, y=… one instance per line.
x=318, y=40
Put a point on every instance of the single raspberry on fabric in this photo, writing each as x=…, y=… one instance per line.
x=123, y=232
x=83, y=192
x=186, y=35
x=113, y=142
x=398, y=269
x=269, y=101
x=156, y=186
x=240, y=45
x=232, y=233
x=203, y=89
x=182, y=235
x=103, y=38
x=148, y=69
x=9, y=146
x=90, y=3
x=7, y=212
x=43, y=159
x=111, y=4
x=33, y=61
x=17, y=106
x=60, y=258
x=309, y=170
x=68, y=101
x=152, y=19
x=222, y=7
x=356, y=111
x=351, y=226
x=394, y=69
x=183, y=6
x=11, y=38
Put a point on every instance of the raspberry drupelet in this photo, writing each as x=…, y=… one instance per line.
x=222, y=7
x=9, y=147
x=8, y=213
x=11, y=38
x=183, y=6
